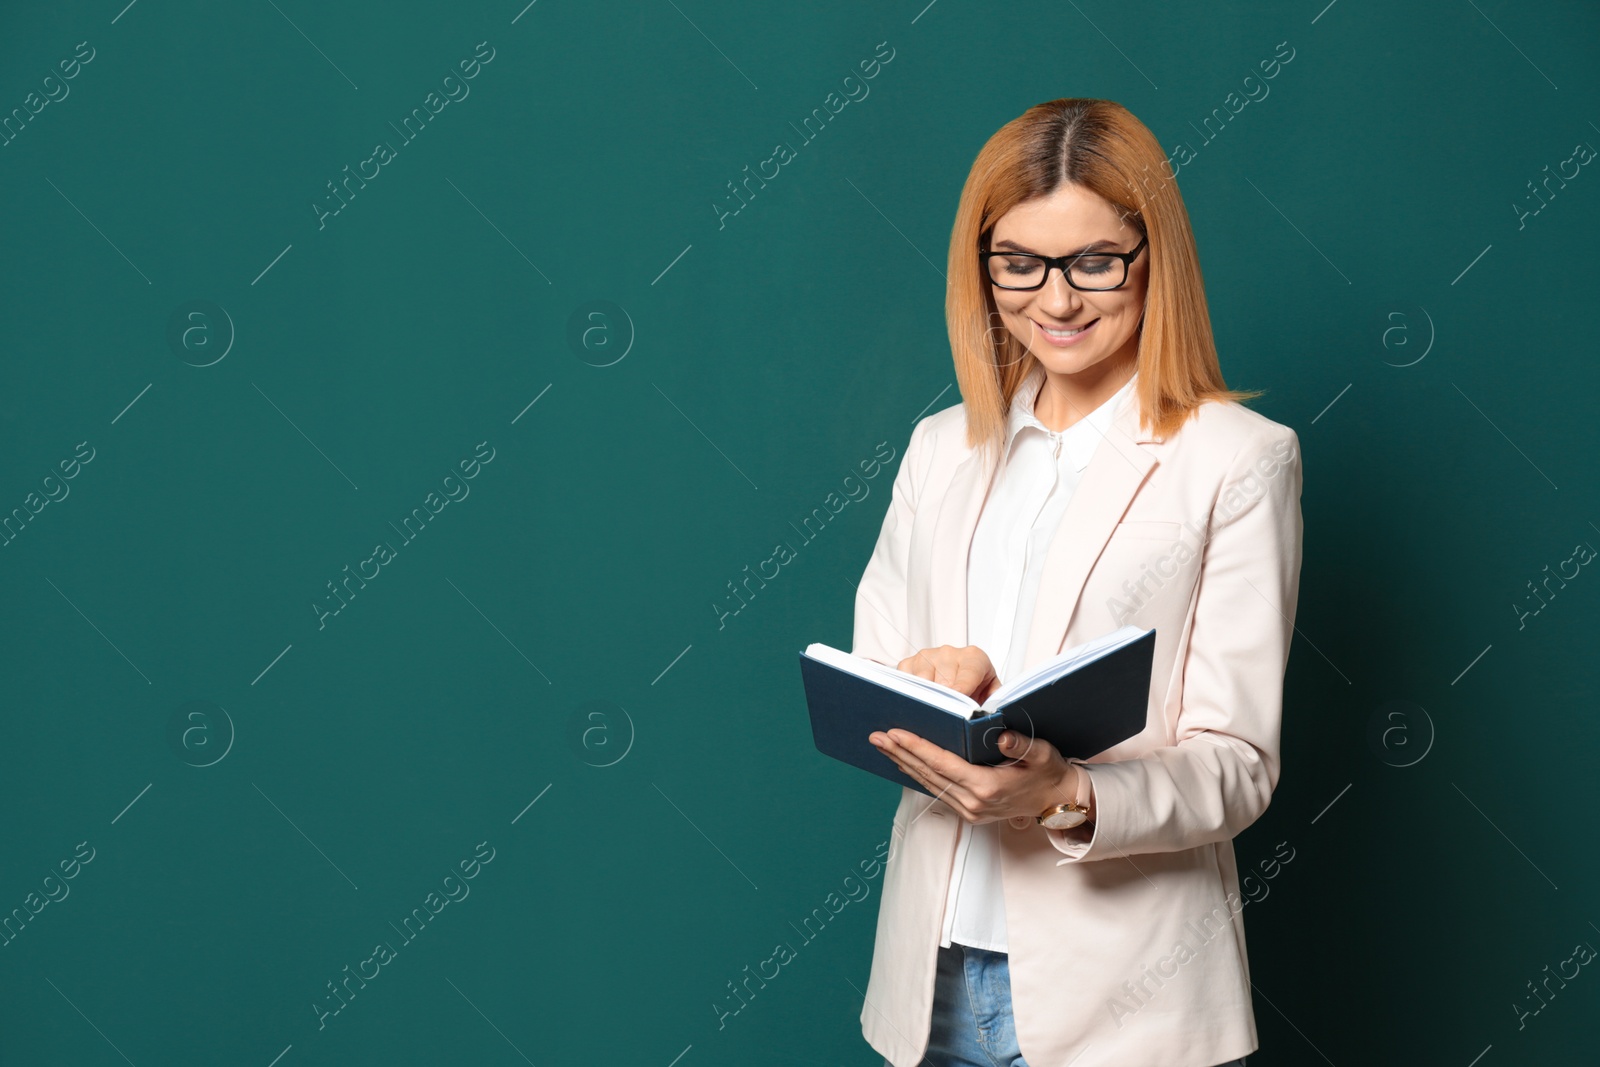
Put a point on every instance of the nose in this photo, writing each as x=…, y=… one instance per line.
x=1058, y=298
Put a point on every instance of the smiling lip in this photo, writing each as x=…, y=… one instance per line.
x=1058, y=340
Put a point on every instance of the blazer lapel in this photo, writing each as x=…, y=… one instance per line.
x=1115, y=473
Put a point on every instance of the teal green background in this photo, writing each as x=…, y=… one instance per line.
x=545, y=668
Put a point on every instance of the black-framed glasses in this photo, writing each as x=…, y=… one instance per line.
x=1091, y=271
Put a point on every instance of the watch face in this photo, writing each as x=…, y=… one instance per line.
x=1064, y=820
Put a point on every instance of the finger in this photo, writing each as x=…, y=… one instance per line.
x=966, y=782
x=932, y=765
x=1018, y=747
x=948, y=672
x=910, y=769
x=937, y=665
x=1026, y=748
x=923, y=664
x=970, y=678
x=938, y=787
x=921, y=749
x=912, y=765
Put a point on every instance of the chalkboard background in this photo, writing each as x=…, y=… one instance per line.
x=599, y=385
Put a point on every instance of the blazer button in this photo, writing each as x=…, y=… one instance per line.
x=1020, y=821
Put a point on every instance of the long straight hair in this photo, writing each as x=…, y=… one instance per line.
x=1101, y=146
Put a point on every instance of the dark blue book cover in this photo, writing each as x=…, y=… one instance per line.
x=1082, y=713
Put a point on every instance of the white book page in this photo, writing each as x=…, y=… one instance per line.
x=1066, y=662
x=940, y=696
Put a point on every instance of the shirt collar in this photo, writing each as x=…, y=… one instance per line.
x=1079, y=440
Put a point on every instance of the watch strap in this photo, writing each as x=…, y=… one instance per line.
x=1081, y=795
x=1084, y=792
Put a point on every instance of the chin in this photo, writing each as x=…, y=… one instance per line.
x=1064, y=363
x=1074, y=361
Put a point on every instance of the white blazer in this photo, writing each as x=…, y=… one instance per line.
x=1127, y=946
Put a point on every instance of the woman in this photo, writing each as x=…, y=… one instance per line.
x=1097, y=474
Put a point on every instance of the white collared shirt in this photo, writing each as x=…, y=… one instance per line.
x=1040, y=471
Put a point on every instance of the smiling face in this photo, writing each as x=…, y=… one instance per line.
x=1073, y=219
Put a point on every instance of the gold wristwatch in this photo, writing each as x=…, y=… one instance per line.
x=1073, y=813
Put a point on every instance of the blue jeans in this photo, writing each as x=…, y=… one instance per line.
x=972, y=1025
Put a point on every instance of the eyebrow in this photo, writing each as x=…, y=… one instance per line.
x=1013, y=246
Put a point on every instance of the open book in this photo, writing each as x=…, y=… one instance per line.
x=1083, y=701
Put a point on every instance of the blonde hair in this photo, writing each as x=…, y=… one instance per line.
x=1101, y=146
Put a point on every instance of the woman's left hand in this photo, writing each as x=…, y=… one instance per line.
x=1034, y=778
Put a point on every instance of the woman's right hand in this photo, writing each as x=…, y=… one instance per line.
x=966, y=670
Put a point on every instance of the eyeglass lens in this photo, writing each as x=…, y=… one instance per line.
x=1021, y=271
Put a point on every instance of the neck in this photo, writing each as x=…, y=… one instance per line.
x=1065, y=399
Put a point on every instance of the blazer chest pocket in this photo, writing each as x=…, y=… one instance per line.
x=1150, y=530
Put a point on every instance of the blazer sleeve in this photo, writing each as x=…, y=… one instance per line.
x=882, y=623
x=1219, y=776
